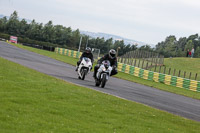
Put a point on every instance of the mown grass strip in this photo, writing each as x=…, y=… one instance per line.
x=121, y=75
x=34, y=102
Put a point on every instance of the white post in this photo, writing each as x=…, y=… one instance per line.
x=98, y=54
x=80, y=44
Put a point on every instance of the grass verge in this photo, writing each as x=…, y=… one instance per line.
x=161, y=86
x=34, y=102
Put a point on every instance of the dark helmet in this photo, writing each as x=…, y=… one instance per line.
x=112, y=53
x=88, y=50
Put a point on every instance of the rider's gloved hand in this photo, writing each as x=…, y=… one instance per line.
x=114, y=67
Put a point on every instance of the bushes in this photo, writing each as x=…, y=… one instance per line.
x=5, y=36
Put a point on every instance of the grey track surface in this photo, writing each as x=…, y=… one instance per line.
x=176, y=104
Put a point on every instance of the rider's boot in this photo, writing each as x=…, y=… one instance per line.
x=94, y=75
x=76, y=68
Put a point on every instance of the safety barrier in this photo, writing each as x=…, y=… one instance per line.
x=160, y=77
x=145, y=74
x=68, y=52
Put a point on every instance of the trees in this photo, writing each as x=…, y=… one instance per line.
x=50, y=34
x=23, y=28
x=197, y=52
x=108, y=44
x=12, y=26
x=3, y=23
x=171, y=47
x=168, y=47
x=56, y=34
x=189, y=45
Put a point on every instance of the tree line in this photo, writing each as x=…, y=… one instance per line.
x=173, y=47
x=56, y=35
x=61, y=36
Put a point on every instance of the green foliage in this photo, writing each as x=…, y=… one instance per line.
x=197, y=52
x=189, y=45
x=5, y=36
x=73, y=61
x=56, y=35
x=185, y=65
x=35, y=102
x=173, y=48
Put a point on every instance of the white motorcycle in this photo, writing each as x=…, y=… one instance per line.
x=84, y=68
x=103, y=73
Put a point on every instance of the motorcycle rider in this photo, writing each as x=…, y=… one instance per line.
x=87, y=54
x=111, y=56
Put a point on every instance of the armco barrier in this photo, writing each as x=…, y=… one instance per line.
x=160, y=77
x=68, y=52
x=145, y=74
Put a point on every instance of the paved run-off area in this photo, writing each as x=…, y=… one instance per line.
x=173, y=103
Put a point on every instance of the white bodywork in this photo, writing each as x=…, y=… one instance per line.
x=86, y=64
x=103, y=69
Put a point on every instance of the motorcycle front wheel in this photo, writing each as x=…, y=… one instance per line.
x=84, y=72
x=103, y=81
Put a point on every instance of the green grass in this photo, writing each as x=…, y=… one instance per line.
x=184, y=64
x=161, y=86
x=180, y=63
x=34, y=102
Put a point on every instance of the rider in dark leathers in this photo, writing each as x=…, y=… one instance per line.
x=87, y=54
x=111, y=56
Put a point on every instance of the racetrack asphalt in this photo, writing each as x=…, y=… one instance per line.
x=173, y=103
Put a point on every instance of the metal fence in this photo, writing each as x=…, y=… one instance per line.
x=175, y=72
x=142, y=59
x=154, y=62
x=160, y=77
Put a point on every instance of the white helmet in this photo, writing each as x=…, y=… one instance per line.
x=88, y=50
x=112, y=53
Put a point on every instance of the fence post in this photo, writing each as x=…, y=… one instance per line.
x=134, y=54
x=128, y=58
x=156, y=61
x=131, y=62
x=143, y=63
x=196, y=76
x=190, y=75
x=151, y=66
x=184, y=74
x=155, y=68
x=147, y=66
x=139, y=63
x=169, y=71
x=164, y=69
x=159, y=69
x=152, y=57
x=174, y=72
x=179, y=73
x=159, y=59
x=135, y=62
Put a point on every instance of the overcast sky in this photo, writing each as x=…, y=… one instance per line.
x=150, y=21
